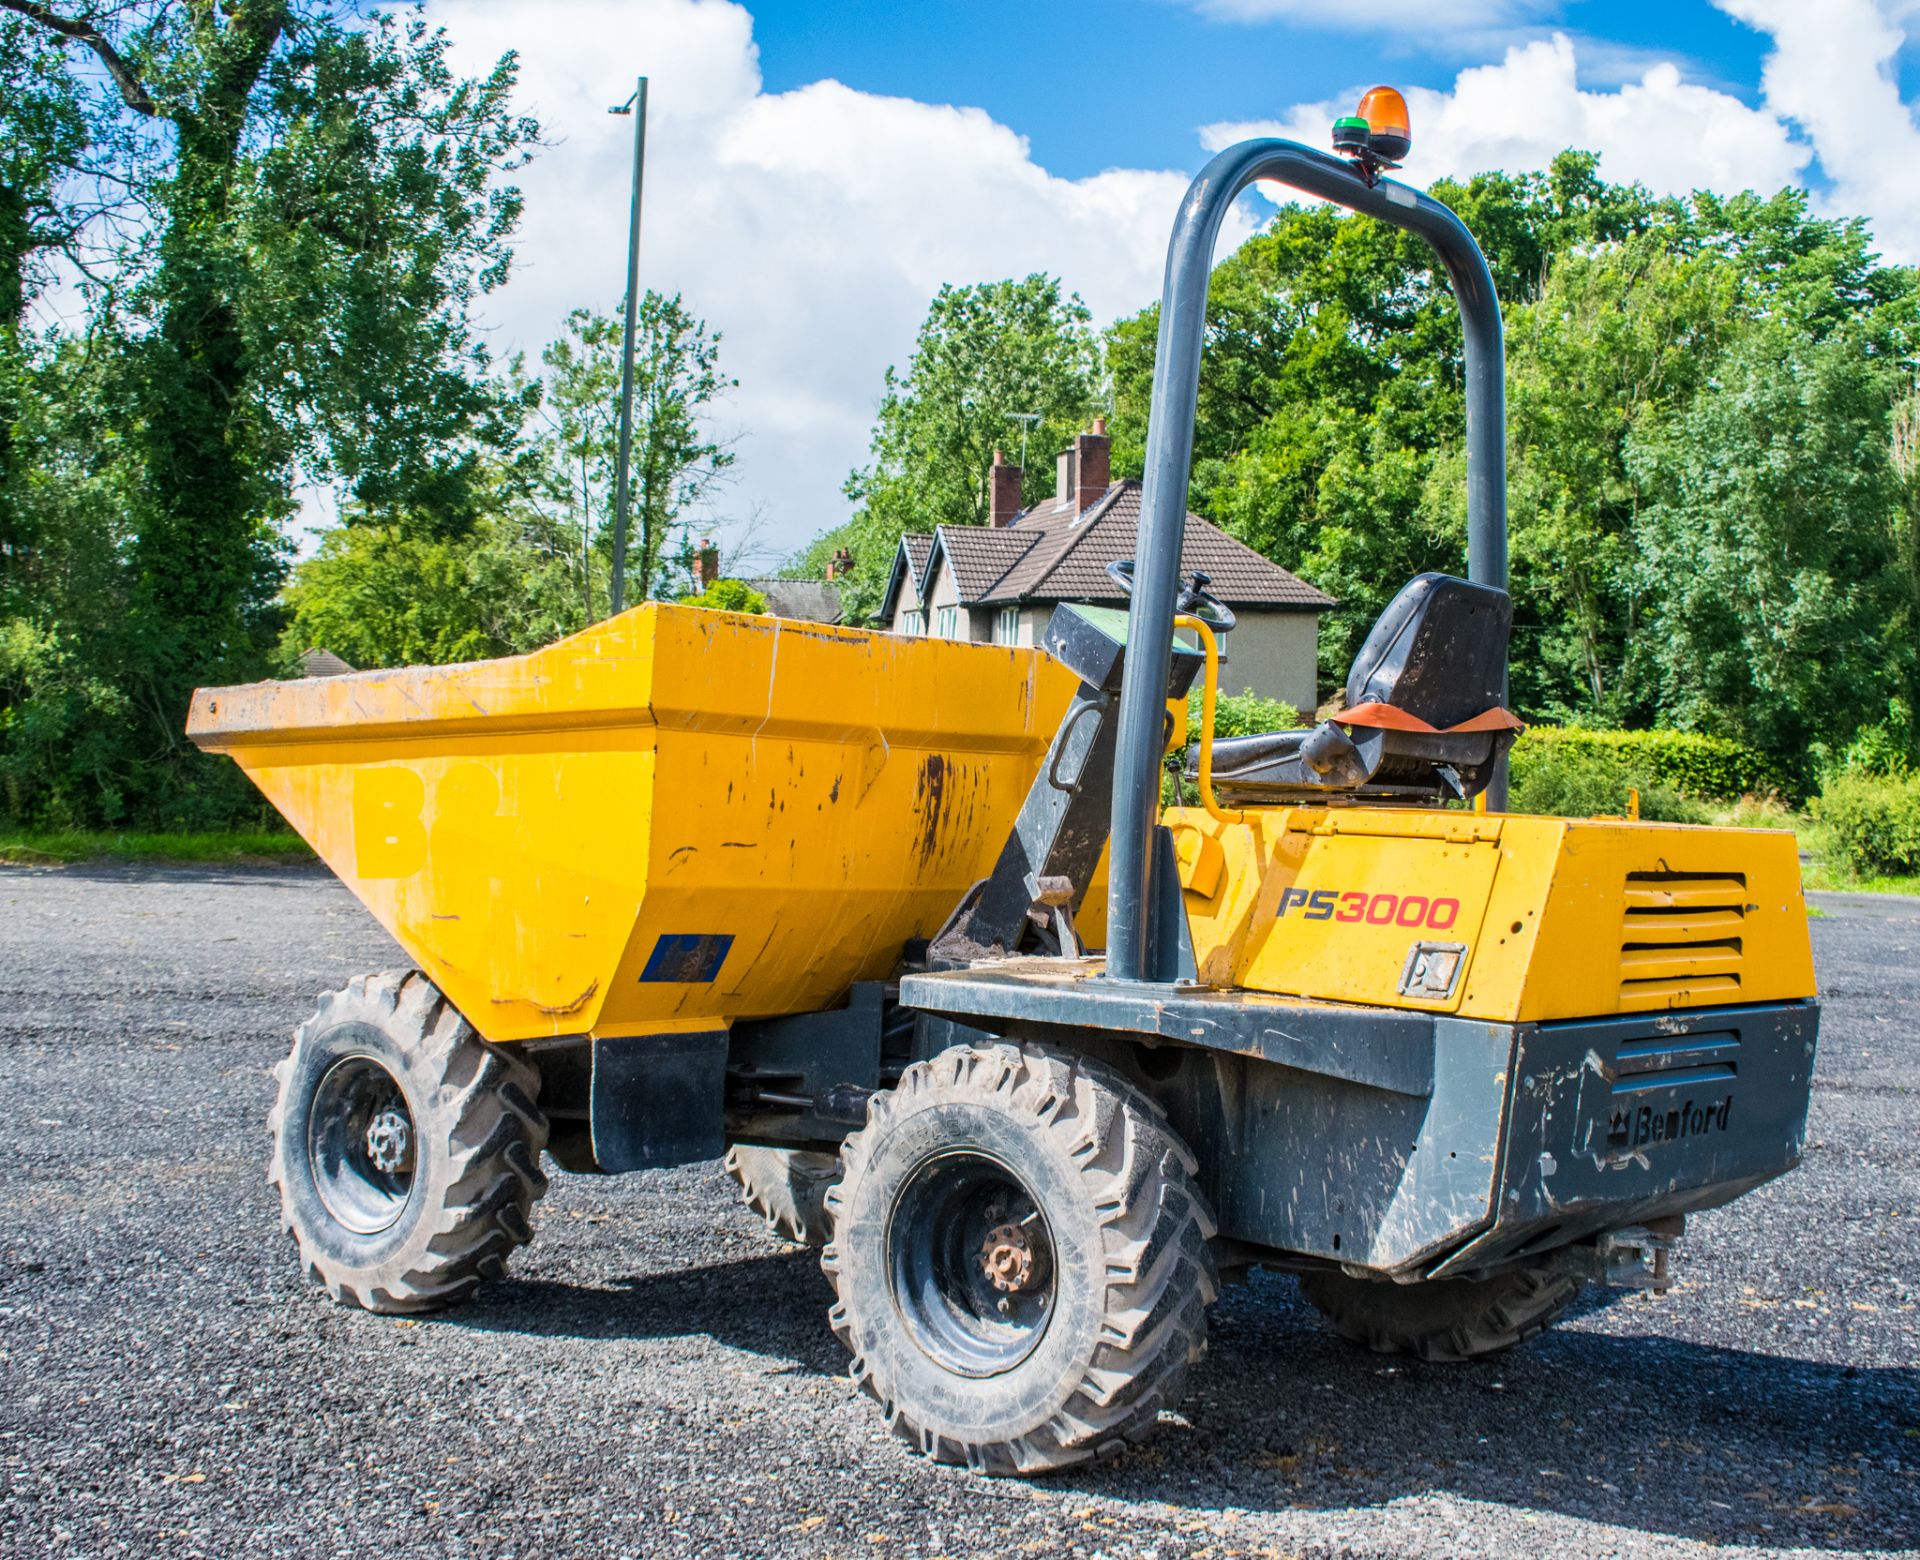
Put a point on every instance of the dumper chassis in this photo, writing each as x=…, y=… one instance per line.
x=1348, y=1017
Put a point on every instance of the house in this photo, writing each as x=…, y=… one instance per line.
x=319, y=662
x=809, y=601
x=999, y=582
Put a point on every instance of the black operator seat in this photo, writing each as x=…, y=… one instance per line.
x=1423, y=720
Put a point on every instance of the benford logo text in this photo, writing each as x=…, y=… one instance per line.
x=1631, y=1128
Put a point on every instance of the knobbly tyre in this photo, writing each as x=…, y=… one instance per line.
x=820, y=900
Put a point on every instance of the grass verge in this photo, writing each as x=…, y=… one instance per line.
x=42, y=848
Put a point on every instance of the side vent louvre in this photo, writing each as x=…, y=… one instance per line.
x=1681, y=942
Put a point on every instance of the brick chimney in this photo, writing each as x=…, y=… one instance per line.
x=1092, y=466
x=839, y=566
x=1003, y=492
x=706, y=563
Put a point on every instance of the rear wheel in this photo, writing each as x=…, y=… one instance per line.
x=787, y=1187
x=405, y=1148
x=1020, y=1259
x=1443, y=1320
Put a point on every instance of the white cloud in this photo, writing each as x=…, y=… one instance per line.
x=1669, y=133
x=1831, y=70
x=1830, y=115
x=810, y=227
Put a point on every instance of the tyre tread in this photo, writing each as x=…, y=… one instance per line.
x=1160, y=1272
x=1447, y=1321
x=481, y=1104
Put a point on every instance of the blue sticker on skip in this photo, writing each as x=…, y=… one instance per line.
x=691, y=957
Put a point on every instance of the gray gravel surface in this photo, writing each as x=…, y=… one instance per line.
x=657, y=1378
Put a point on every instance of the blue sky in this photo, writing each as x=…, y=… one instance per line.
x=1058, y=72
x=817, y=169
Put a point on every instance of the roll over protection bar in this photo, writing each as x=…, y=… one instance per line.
x=1176, y=388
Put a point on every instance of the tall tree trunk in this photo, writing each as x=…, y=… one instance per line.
x=198, y=556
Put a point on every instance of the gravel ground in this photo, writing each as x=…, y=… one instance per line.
x=658, y=1378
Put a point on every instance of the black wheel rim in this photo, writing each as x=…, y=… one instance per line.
x=361, y=1145
x=972, y=1263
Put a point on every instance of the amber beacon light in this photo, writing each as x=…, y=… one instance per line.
x=1378, y=134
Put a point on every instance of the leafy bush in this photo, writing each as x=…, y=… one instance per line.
x=1688, y=762
x=1577, y=780
x=1886, y=747
x=1240, y=715
x=1874, y=821
x=383, y=595
x=728, y=596
x=1234, y=715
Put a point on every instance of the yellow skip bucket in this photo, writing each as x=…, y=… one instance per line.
x=674, y=818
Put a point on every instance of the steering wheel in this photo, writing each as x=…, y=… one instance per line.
x=1194, y=599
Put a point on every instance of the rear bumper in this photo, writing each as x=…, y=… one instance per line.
x=1415, y=1145
x=1613, y=1122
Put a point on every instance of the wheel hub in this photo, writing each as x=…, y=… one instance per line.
x=1009, y=1259
x=362, y=1148
x=390, y=1142
x=972, y=1263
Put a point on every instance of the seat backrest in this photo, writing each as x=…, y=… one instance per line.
x=1439, y=651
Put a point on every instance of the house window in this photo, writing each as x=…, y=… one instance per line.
x=1006, y=627
x=947, y=625
x=914, y=622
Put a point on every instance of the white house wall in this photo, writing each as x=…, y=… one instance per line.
x=1276, y=655
x=904, y=605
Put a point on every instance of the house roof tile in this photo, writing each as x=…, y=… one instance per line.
x=1069, y=556
x=810, y=601
x=979, y=556
x=918, y=548
x=1051, y=554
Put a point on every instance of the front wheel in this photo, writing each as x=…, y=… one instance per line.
x=406, y=1149
x=1442, y=1320
x=1020, y=1259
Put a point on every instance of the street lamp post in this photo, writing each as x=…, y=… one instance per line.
x=637, y=107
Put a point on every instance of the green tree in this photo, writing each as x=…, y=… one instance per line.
x=1904, y=539
x=66, y=700
x=44, y=134
x=1332, y=381
x=677, y=463
x=322, y=206
x=390, y=595
x=1330, y=437
x=534, y=566
x=984, y=354
x=1618, y=340
x=1777, y=615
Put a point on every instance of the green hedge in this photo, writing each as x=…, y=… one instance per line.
x=1240, y=715
x=1568, y=780
x=1874, y=821
x=1705, y=768
x=1574, y=772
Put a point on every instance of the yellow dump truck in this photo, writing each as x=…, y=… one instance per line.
x=901, y=927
